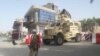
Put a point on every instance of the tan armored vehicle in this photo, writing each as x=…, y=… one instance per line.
x=63, y=30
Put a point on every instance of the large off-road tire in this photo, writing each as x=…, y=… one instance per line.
x=78, y=38
x=46, y=42
x=59, y=40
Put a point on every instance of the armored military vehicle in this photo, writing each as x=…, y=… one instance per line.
x=65, y=29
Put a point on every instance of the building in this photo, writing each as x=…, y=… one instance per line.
x=38, y=17
x=18, y=28
x=18, y=23
x=52, y=7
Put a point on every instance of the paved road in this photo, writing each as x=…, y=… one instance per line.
x=68, y=49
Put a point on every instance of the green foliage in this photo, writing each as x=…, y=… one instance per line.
x=89, y=23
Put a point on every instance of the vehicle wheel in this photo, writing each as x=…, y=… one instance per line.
x=59, y=40
x=78, y=38
x=46, y=42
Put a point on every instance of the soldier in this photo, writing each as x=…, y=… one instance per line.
x=33, y=42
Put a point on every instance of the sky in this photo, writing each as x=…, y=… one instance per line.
x=12, y=9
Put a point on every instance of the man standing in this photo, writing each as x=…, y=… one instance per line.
x=15, y=36
x=33, y=42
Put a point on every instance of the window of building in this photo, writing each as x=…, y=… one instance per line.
x=27, y=18
x=45, y=16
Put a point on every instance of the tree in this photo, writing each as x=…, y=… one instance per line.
x=98, y=21
x=83, y=24
x=89, y=23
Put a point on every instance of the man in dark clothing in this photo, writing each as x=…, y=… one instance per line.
x=15, y=37
x=33, y=47
x=32, y=42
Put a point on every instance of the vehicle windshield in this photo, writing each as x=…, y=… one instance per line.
x=53, y=24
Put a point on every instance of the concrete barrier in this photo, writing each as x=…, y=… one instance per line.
x=96, y=38
x=93, y=38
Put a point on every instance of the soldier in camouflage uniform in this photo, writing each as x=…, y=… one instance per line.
x=33, y=47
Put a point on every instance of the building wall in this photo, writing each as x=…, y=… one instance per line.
x=52, y=7
x=96, y=29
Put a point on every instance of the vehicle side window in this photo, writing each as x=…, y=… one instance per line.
x=58, y=24
x=65, y=25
